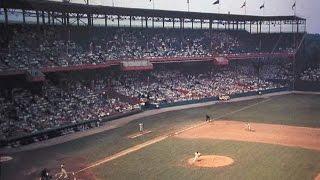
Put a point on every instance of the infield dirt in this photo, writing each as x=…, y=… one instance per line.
x=264, y=133
x=211, y=161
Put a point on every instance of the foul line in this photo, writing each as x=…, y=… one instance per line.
x=124, y=152
x=160, y=138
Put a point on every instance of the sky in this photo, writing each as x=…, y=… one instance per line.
x=308, y=9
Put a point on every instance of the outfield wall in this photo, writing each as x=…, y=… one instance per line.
x=307, y=85
x=204, y=100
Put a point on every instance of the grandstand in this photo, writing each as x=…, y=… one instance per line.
x=66, y=68
x=57, y=40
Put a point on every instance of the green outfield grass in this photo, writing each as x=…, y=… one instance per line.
x=299, y=110
x=166, y=160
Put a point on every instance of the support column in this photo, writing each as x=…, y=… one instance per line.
x=250, y=26
x=105, y=20
x=118, y=20
x=5, y=15
x=163, y=22
x=152, y=22
x=52, y=17
x=200, y=23
x=141, y=21
x=146, y=22
x=191, y=23
x=92, y=24
x=78, y=20
x=183, y=21
x=89, y=19
x=67, y=16
x=49, y=17
x=37, y=14
x=260, y=25
x=130, y=21
x=305, y=26
x=173, y=22
x=43, y=20
x=24, y=16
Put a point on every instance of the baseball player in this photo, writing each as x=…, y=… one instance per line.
x=196, y=156
x=207, y=118
x=63, y=172
x=248, y=127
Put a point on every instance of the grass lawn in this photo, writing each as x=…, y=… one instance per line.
x=166, y=160
x=300, y=110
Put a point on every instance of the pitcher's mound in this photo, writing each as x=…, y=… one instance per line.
x=211, y=161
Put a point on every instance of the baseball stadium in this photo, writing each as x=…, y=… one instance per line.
x=102, y=91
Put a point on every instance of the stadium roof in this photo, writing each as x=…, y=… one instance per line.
x=43, y=5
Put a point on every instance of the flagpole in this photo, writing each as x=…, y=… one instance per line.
x=188, y=1
x=295, y=8
x=245, y=7
x=153, y=4
x=263, y=7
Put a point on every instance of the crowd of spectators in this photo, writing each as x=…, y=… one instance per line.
x=163, y=86
x=311, y=74
x=25, y=112
x=25, y=47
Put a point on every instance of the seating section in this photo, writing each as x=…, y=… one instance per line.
x=311, y=74
x=29, y=46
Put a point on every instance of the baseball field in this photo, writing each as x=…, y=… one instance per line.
x=283, y=143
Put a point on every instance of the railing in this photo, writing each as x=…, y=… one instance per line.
x=153, y=60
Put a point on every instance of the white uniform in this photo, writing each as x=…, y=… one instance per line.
x=63, y=173
x=248, y=127
x=196, y=156
x=141, y=127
